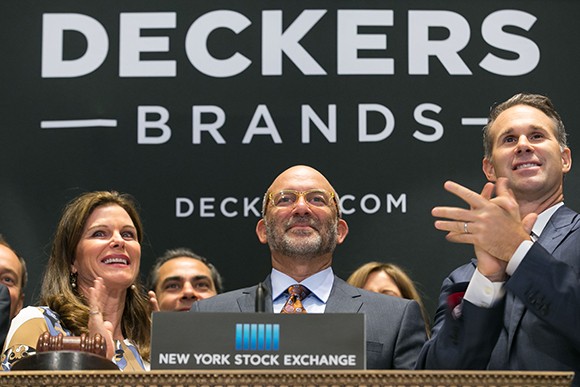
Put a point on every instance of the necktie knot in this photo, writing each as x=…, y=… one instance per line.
x=300, y=291
x=294, y=303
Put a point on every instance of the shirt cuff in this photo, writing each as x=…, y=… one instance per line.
x=482, y=292
x=518, y=256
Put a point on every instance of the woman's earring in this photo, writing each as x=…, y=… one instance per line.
x=73, y=280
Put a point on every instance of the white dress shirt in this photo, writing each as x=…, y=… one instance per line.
x=319, y=285
x=484, y=293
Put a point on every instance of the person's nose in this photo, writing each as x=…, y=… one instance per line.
x=301, y=206
x=117, y=240
x=188, y=292
x=524, y=145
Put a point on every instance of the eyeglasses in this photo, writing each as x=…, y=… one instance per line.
x=313, y=197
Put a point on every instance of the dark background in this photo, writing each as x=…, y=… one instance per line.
x=42, y=169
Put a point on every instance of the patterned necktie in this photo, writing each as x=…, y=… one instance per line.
x=294, y=303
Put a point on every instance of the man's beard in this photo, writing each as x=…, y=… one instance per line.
x=321, y=239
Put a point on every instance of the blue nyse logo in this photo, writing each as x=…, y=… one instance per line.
x=258, y=337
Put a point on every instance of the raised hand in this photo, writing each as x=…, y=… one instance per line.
x=153, y=301
x=97, y=323
x=493, y=225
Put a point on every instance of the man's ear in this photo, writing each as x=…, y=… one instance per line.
x=488, y=169
x=566, y=160
x=261, y=231
x=342, y=228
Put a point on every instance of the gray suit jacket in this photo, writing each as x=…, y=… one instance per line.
x=394, y=327
x=4, y=314
x=534, y=328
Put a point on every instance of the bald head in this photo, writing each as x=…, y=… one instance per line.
x=301, y=222
x=305, y=174
x=299, y=178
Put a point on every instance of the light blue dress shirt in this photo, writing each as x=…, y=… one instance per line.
x=319, y=285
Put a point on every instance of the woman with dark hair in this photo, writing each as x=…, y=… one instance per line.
x=91, y=284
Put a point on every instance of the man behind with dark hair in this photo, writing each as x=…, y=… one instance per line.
x=12, y=282
x=179, y=278
x=517, y=306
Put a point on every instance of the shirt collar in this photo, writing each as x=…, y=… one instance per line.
x=543, y=219
x=319, y=284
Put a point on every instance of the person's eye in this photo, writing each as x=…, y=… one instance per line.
x=128, y=235
x=98, y=234
x=8, y=280
x=285, y=199
x=172, y=286
x=203, y=285
x=318, y=200
x=537, y=136
x=509, y=139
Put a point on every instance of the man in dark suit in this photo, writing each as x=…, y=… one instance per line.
x=302, y=224
x=517, y=307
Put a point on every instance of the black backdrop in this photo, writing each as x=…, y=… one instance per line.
x=417, y=67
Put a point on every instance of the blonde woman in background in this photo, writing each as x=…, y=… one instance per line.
x=389, y=279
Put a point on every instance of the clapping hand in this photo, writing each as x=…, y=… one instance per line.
x=97, y=322
x=492, y=224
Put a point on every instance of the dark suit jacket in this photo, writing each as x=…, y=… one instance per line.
x=4, y=314
x=395, y=330
x=536, y=326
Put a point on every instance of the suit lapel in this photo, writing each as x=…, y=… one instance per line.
x=559, y=226
x=557, y=229
x=247, y=301
x=343, y=298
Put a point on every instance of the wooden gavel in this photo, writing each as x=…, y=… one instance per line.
x=95, y=344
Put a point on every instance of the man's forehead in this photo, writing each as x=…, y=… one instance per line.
x=300, y=178
x=522, y=115
x=9, y=260
x=183, y=266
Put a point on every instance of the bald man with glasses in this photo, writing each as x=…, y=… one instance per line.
x=302, y=225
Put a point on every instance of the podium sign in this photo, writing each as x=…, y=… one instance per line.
x=182, y=340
